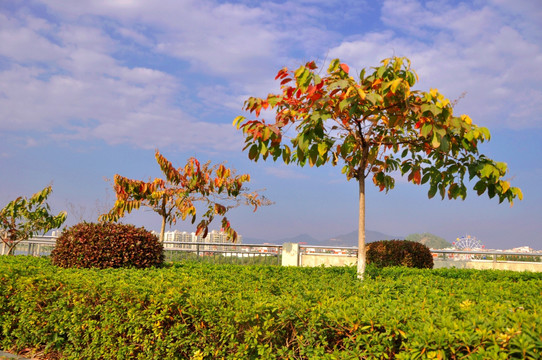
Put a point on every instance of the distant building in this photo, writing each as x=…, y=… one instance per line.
x=522, y=249
x=176, y=236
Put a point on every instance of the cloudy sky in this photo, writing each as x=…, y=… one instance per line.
x=90, y=88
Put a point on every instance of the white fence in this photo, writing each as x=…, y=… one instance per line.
x=308, y=255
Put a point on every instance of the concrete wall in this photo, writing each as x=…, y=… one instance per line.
x=290, y=254
x=489, y=264
x=291, y=257
x=327, y=260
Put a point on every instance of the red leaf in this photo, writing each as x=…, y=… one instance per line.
x=416, y=178
x=311, y=65
x=345, y=68
x=285, y=81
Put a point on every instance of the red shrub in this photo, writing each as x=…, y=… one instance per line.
x=107, y=245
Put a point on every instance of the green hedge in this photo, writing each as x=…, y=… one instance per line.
x=205, y=311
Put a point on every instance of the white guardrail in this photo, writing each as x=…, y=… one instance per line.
x=330, y=255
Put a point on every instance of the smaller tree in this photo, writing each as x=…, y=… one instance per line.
x=23, y=218
x=215, y=187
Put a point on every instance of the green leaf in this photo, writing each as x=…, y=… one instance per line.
x=344, y=104
x=286, y=153
x=253, y=152
x=444, y=144
x=333, y=65
x=303, y=141
x=263, y=148
x=322, y=148
x=347, y=147
x=426, y=177
x=380, y=71
x=487, y=170
x=442, y=190
x=480, y=187
x=432, y=191
x=435, y=143
x=485, y=132
x=405, y=168
x=362, y=75
x=313, y=155
x=374, y=98
x=491, y=191
x=426, y=129
x=342, y=84
x=455, y=122
x=453, y=191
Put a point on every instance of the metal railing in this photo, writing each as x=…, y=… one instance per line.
x=224, y=252
x=450, y=255
x=495, y=256
x=36, y=246
x=328, y=250
x=247, y=253
x=203, y=251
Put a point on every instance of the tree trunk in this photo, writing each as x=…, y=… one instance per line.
x=163, y=228
x=361, y=229
x=164, y=218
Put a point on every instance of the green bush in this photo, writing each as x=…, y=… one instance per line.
x=399, y=253
x=203, y=311
x=107, y=245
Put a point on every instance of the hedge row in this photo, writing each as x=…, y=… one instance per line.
x=204, y=311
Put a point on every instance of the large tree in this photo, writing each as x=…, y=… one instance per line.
x=376, y=126
x=23, y=218
x=216, y=188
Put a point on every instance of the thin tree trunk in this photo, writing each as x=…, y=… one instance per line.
x=164, y=218
x=163, y=228
x=361, y=229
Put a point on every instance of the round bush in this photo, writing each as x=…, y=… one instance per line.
x=107, y=245
x=399, y=253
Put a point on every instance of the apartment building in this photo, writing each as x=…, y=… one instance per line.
x=176, y=236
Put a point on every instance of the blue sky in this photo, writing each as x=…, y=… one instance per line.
x=90, y=89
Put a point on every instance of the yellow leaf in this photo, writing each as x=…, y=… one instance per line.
x=237, y=121
x=361, y=94
x=466, y=119
x=505, y=186
x=394, y=84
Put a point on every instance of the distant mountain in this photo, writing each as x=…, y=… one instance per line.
x=303, y=238
x=351, y=239
x=430, y=240
x=249, y=240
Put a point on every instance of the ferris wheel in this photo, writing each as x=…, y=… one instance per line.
x=468, y=242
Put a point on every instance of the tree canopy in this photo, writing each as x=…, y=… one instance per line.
x=23, y=218
x=214, y=187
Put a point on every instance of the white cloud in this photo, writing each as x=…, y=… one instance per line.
x=95, y=69
x=461, y=49
x=74, y=88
